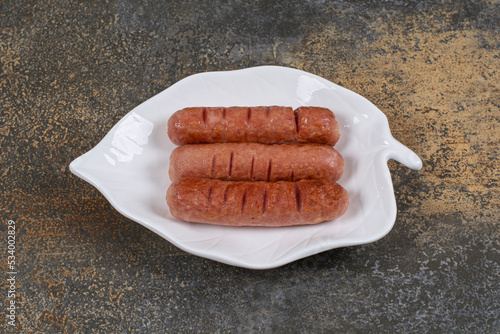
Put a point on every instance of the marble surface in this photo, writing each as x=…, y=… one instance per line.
x=71, y=70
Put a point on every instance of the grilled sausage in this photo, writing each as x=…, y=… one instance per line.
x=268, y=204
x=267, y=125
x=256, y=162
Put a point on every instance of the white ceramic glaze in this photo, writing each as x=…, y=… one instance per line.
x=130, y=166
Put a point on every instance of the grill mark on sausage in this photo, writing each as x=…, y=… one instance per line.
x=209, y=196
x=213, y=167
x=296, y=114
x=204, y=116
x=224, y=113
x=249, y=111
x=225, y=198
x=292, y=177
x=231, y=164
x=268, y=109
x=244, y=200
x=269, y=170
x=251, y=168
x=264, y=200
x=298, y=198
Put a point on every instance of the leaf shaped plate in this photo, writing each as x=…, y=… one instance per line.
x=130, y=166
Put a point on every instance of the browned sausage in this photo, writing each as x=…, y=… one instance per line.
x=267, y=125
x=256, y=162
x=269, y=204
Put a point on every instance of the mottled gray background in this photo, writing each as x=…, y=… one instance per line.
x=71, y=70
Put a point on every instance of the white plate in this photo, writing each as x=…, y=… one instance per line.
x=130, y=166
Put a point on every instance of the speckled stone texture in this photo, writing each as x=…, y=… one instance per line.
x=70, y=70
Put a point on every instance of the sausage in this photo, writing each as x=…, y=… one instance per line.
x=269, y=204
x=256, y=162
x=267, y=125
